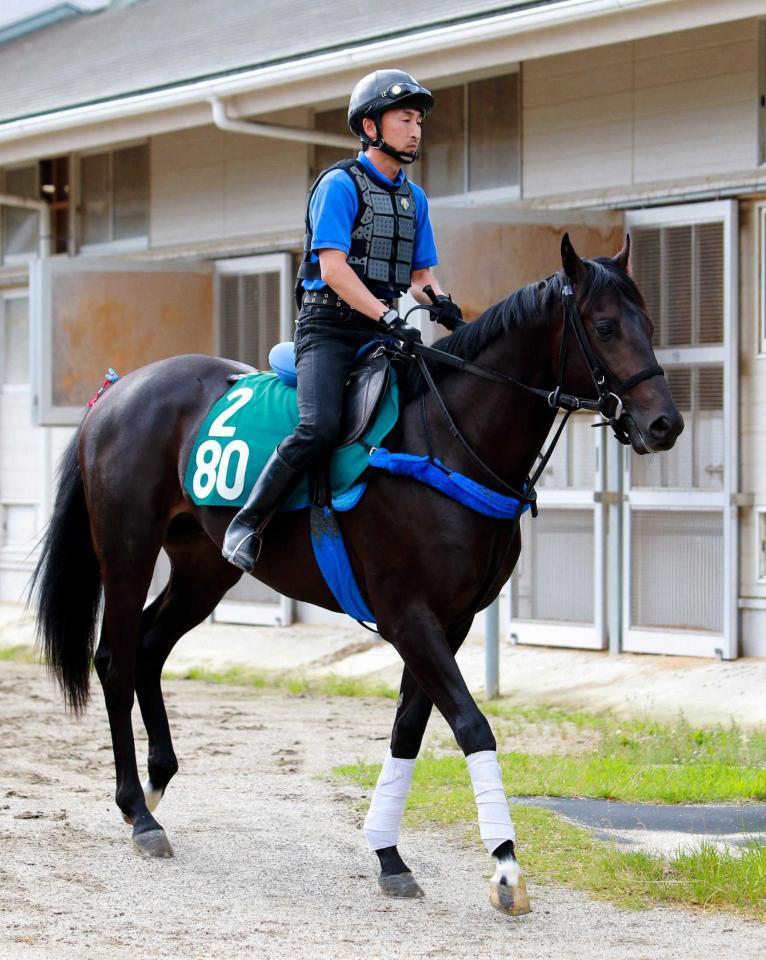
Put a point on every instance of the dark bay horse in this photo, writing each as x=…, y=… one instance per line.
x=425, y=563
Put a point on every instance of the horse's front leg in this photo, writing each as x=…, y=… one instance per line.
x=422, y=644
x=383, y=821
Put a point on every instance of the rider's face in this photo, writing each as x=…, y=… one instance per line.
x=401, y=129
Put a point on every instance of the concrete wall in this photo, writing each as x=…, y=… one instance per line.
x=677, y=105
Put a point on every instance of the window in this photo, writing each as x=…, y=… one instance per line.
x=471, y=141
x=680, y=272
x=19, y=524
x=254, y=307
x=761, y=274
x=114, y=196
x=762, y=92
x=54, y=187
x=20, y=228
x=14, y=340
x=761, y=544
x=48, y=180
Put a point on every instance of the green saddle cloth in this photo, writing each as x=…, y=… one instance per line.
x=245, y=426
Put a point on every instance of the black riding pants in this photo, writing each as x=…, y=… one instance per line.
x=326, y=344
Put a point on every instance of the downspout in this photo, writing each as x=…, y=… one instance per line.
x=277, y=131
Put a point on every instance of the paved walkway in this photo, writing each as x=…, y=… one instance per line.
x=706, y=691
x=661, y=827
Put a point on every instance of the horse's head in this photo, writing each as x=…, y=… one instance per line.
x=619, y=332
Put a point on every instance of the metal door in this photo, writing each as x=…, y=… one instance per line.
x=557, y=592
x=679, y=512
x=254, y=309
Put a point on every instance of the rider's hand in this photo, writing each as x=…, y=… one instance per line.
x=395, y=325
x=450, y=315
x=447, y=312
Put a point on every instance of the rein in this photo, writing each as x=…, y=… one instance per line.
x=608, y=405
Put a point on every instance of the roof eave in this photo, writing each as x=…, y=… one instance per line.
x=524, y=34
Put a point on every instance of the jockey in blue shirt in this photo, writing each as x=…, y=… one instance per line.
x=368, y=240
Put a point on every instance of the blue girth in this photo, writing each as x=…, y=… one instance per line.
x=327, y=539
x=434, y=474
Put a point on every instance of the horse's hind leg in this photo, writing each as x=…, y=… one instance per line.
x=198, y=580
x=126, y=571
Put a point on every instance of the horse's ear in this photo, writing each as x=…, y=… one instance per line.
x=572, y=264
x=621, y=260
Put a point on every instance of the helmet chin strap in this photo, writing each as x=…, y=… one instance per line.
x=380, y=144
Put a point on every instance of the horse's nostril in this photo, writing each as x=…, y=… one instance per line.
x=660, y=427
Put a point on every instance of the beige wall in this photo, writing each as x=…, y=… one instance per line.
x=482, y=263
x=208, y=184
x=677, y=105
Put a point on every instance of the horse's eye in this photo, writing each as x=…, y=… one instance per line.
x=605, y=331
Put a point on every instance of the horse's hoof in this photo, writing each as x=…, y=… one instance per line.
x=153, y=843
x=400, y=885
x=513, y=900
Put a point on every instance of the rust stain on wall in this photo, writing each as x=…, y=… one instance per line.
x=124, y=321
x=482, y=263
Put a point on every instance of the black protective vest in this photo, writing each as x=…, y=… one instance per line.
x=382, y=237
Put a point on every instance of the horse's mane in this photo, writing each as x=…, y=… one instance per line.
x=524, y=308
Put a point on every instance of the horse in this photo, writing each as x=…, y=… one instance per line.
x=424, y=563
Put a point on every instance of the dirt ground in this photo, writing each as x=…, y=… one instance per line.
x=270, y=857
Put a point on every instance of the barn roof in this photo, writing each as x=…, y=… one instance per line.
x=152, y=44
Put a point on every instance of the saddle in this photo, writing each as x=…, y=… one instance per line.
x=365, y=387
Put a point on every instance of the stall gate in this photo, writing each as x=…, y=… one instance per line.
x=675, y=513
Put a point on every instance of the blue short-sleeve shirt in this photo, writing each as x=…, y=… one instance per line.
x=334, y=207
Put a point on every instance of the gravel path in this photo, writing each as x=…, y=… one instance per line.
x=270, y=858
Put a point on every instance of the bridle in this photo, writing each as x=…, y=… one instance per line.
x=608, y=404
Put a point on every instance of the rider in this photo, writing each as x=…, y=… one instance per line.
x=368, y=240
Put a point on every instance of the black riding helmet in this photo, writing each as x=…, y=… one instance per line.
x=380, y=91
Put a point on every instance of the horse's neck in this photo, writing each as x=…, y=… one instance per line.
x=505, y=425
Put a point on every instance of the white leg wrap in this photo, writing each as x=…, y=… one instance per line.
x=495, y=823
x=381, y=825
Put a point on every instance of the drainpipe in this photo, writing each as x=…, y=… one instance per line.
x=277, y=131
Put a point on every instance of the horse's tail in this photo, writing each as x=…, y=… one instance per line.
x=66, y=586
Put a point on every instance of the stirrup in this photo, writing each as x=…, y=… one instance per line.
x=246, y=566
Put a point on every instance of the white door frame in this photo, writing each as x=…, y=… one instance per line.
x=557, y=633
x=237, y=611
x=695, y=643
x=264, y=263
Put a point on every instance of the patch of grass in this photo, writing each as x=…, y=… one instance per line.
x=22, y=652
x=297, y=684
x=531, y=775
x=555, y=851
x=642, y=740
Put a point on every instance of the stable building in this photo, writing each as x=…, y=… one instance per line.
x=154, y=163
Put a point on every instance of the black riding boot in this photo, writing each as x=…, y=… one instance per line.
x=242, y=543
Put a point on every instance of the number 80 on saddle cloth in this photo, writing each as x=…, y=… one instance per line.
x=245, y=426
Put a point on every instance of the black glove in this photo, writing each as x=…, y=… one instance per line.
x=448, y=314
x=392, y=323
